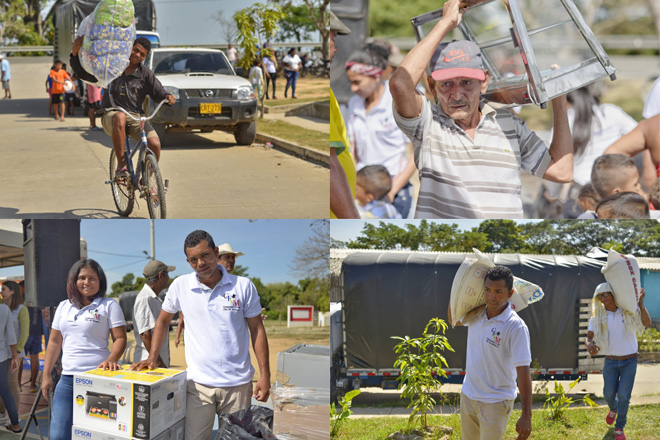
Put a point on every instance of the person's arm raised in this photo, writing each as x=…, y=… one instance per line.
x=407, y=101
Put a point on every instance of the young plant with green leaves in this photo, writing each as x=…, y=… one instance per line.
x=338, y=417
x=557, y=405
x=422, y=365
x=256, y=24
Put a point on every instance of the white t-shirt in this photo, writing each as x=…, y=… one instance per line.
x=231, y=54
x=7, y=333
x=270, y=66
x=375, y=136
x=495, y=347
x=217, y=338
x=652, y=106
x=256, y=76
x=85, y=333
x=145, y=313
x=609, y=124
x=294, y=60
x=620, y=341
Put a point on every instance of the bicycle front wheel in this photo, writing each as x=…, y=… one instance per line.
x=122, y=189
x=154, y=187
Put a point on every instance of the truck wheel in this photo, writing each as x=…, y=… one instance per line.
x=160, y=131
x=245, y=133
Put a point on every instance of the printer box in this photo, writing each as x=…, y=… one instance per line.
x=174, y=432
x=129, y=404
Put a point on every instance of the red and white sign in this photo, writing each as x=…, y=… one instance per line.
x=300, y=316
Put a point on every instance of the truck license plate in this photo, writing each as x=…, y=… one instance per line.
x=208, y=108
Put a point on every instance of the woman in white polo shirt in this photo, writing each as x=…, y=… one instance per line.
x=81, y=327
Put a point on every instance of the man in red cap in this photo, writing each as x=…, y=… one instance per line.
x=468, y=154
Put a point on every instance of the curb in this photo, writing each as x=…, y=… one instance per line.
x=304, y=152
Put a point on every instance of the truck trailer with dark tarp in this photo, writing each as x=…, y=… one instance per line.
x=389, y=293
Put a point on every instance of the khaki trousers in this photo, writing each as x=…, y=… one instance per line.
x=484, y=421
x=203, y=403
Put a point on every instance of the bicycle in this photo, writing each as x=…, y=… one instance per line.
x=146, y=179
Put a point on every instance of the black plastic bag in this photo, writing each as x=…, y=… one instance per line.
x=255, y=422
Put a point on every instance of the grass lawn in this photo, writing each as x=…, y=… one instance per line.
x=294, y=134
x=578, y=424
x=282, y=101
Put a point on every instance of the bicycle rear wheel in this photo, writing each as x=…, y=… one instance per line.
x=154, y=187
x=122, y=190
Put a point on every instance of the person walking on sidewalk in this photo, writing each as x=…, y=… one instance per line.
x=6, y=75
x=613, y=331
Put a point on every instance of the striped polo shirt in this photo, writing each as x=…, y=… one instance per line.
x=462, y=177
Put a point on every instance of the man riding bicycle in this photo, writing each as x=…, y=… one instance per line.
x=129, y=92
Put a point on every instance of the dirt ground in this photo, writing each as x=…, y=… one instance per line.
x=306, y=88
x=280, y=338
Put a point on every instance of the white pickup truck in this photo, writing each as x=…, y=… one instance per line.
x=209, y=94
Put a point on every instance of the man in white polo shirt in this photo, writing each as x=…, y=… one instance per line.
x=498, y=353
x=468, y=154
x=146, y=310
x=614, y=331
x=222, y=317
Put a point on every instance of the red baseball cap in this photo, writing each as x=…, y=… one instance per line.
x=458, y=59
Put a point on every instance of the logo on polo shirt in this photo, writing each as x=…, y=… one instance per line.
x=495, y=339
x=235, y=302
x=93, y=316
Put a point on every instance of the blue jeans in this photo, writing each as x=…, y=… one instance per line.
x=403, y=200
x=61, y=419
x=619, y=378
x=291, y=80
x=5, y=392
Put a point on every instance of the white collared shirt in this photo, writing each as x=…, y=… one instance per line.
x=217, y=338
x=85, y=332
x=146, y=309
x=495, y=347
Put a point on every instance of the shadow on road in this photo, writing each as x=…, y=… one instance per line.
x=81, y=213
x=31, y=108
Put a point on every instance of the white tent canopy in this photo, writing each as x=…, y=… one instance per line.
x=11, y=243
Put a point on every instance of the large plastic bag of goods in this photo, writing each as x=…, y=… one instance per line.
x=109, y=35
x=622, y=272
x=247, y=424
x=300, y=412
x=467, y=290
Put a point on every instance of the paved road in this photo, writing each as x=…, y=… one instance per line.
x=58, y=169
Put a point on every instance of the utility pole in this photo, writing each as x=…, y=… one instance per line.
x=153, y=241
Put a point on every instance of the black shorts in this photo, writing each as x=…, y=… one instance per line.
x=57, y=98
x=96, y=104
x=69, y=97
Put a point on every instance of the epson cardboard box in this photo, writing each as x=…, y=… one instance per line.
x=129, y=404
x=175, y=432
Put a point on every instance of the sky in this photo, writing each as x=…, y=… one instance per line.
x=190, y=22
x=345, y=230
x=269, y=245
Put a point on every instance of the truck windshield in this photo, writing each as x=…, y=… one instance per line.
x=190, y=62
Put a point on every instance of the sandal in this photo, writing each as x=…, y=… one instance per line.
x=121, y=172
x=15, y=431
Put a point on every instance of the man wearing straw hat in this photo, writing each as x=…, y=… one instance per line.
x=468, y=154
x=228, y=256
x=613, y=331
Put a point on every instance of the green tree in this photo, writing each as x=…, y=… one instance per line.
x=505, y=236
x=256, y=24
x=240, y=271
x=298, y=24
x=315, y=292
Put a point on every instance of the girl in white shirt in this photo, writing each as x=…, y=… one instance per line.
x=80, y=330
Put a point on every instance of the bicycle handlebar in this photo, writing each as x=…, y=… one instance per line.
x=146, y=118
